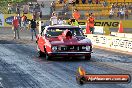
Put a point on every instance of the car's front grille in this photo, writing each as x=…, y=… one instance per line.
x=72, y=47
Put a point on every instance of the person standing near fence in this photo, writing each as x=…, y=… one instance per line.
x=15, y=25
x=76, y=14
x=9, y=8
x=54, y=19
x=52, y=8
x=33, y=25
x=19, y=19
x=25, y=9
x=73, y=22
x=23, y=21
x=18, y=9
x=90, y=21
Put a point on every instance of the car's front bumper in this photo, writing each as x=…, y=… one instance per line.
x=69, y=53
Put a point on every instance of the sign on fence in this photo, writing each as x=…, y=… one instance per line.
x=124, y=44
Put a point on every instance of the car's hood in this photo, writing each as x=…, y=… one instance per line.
x=73, y=41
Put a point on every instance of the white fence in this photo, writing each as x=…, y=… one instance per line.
x=113, y=42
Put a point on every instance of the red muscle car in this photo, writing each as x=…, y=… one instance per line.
x=63, y=40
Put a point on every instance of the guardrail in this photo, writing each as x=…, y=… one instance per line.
x=113, y=42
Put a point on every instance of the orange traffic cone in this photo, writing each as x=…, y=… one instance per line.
x=120, y=30
x=87, y=29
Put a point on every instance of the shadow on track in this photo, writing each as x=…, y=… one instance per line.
x=65, y=59
x=9, y=42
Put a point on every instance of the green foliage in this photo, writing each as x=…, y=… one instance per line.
x=13, y=1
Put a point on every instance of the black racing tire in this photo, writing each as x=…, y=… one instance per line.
x=41, y=54
x=48, y=57
x=88, y=57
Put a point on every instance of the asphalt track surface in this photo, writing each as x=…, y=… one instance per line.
x=20, y=66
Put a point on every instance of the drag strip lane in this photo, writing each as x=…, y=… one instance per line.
x=57, y=73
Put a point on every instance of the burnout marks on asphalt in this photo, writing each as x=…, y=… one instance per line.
x=15, y=77
x=8, y=42
x=17, y=41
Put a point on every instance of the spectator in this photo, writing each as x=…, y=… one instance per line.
x=31, y=7
x=65, y=1
x=73, y=22
x=124, y=6
x=60, y=1
x=9, y=8
x=122, y=13
x=83, y=1
x=90, y=21
x=70, y=1
x=121, y=6
x=37, y=6
x=19, y=19
x=23, y=22
x=89, y=1
x=73, y=2
x=18, y=9
x=33, y=24
x=113, y=6
x=126, y=13
x=54, y=19
x=42, y=5
x=105, y=3
x=60, y=21
x=65, y=8
x=77, y=1
x=118, y=13
x=35, y=14
x=40, y=15
x=52, y=6
x=15, y=25
x=116, y=5
x=111, y=13
x=25, y=9
x=130, y=7
x=97, y=1
x=76, y=15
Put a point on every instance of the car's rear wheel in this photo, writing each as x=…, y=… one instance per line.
x=88, y=57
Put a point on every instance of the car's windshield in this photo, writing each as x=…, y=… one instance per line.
x=58, y=31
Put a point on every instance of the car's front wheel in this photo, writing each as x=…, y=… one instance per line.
x=40, y=53
x=48, y=57
x=88, y=57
